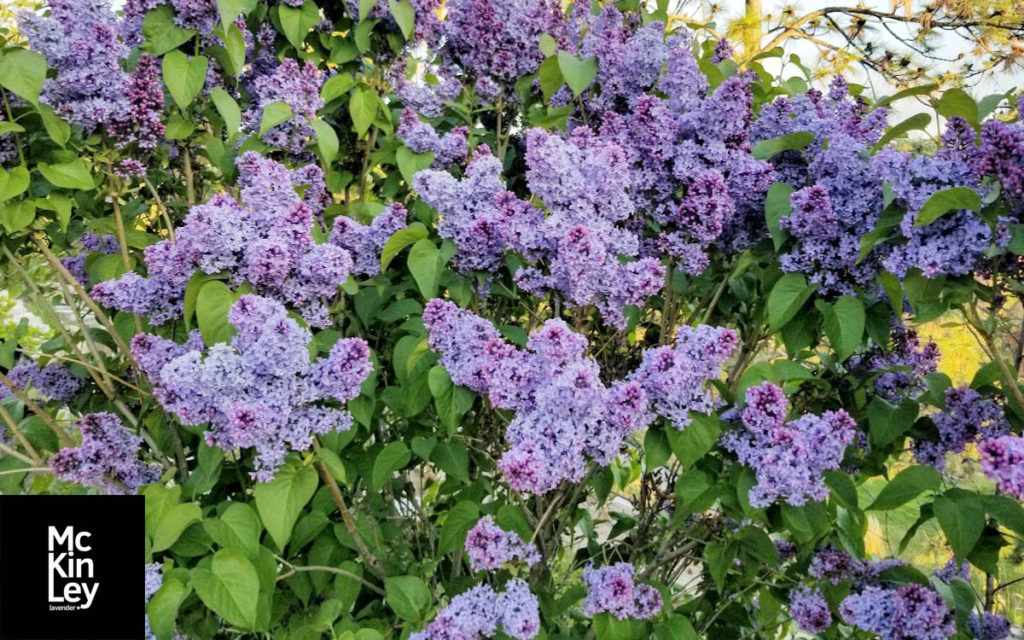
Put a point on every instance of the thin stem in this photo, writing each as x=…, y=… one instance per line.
x=36, y=409
x=10, y=118
x=24, y=469
x=12, y=424
x=293, y=569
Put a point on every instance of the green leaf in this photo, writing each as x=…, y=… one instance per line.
x=425, y=265
x=921, y=90
x=696, y=439
x=10, y=127
x=163, y=607
x=907, y=485
x=550, y=76
x=656, y=448
x=213, y=302
x=228, y=110
x=786, y=299
x=1007, y=511
x=400, y=240
x=280, y=501
x=410, y=163
x=942, y=202
x=173, y=522
x=777, y=206
x=844, y=325
x=326, y=140
x=72, y=174
x=718, y=557
x=962, y=519
x=957, y=102
x=391, y=458
x=888, y=421
x=230, y=587
x=460, y=519
x=13, y=182
x=791, y=141
x=58, y=130
x=608, y=627
x=675, y=628
x=362, y=106
x=336, y=86
x=22, y=72
x=913, y=123
x=453, y=459
x=239, y=528
x=229, y=10
x=405, y=15
x=161, y=33
x=184, y=77
x=274, y=114
x=578, y=74
x=407, y=596
x=297, y=21
x=365, y=7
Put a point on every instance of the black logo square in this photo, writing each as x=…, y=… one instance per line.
x=72, y=567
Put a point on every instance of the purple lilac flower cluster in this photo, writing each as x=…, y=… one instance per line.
x=909, y=612
x=260, y=391
x=954, y=243
x=967, y=418
x=154, y=580
x=836, y=566
x=902, y=365
x=1002, y=459
x=478, y=612
x=8, y=146
x=265, y=240
x=988, y=626
x=416, y=93
x=80, y=41
x=488, y=546
x=613, y=589
x=52, y=381
x=296, y=85
x=106, y=459
x=365, y=241
x=952, y=570
x=1001, y=155
x=448, y=149
x=788, y=458
x=809, y=609
x=145, y=96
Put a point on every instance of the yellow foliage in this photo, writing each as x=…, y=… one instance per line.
x=9, y=10
x=961, y=355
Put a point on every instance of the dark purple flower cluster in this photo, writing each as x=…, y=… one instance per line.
x=967, y=418
x=988, y=626
x=1002, y=459
x=477, y=614
x=788, y=458
x=265, y=240
x=901, y=367
x=612, y=589
x=448, y=149
x=809, y=609
x=106, y=459
x=1001, y=155
x=145, y=96
x=488, y=546
x=296, y=85
x=8, y=146
x=836, y=566
x=261, y=391
x=52, y=381
x=910, y=612
x=80, y=41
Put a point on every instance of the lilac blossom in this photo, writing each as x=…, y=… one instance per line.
x=809, y=609
x=788, y=458
x=488, y=546
x=265, y=240
x=260, y=391
x=612, y=589
x=106, y=459
x=988, y=626
x=145, y=95
x=478, y=612
x=52, y=381
x=448, y=149
x=365, y=242
x=1002, y=459
x=966, y=418
x=901, y=366
x=952, y=570
x=1001, y=155
x=297, y=86
x=910, y=612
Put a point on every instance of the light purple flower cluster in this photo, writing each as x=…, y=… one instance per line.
x=788, y=458
x=421, y=137
x=967, y=418
x=296, y=85
x=901, y=367
x=477, y=613
x=613, y=589
x=80, y=41
x=424, y=98
x=154, y=580
x=952, y=570
x=265, y=240
x=53, y=381
x=910, y=612
x=499, y=39
x=365, y=241
x=488, y=546
x=809, y=609
x=1002, y=459
x=954, y=244
x=988, y=626
x=675, y=377
x=261, y=391
x=106, y=459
